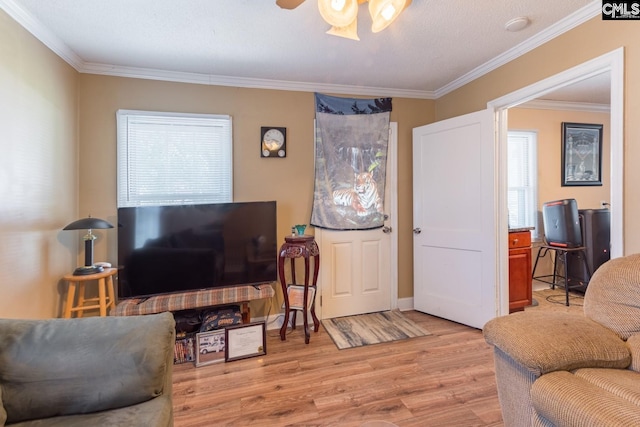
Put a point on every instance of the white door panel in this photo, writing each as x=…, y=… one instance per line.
x=454, y=197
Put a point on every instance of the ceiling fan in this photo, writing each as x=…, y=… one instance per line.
x=342, y=14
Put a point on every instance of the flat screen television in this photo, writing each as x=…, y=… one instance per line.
x=561, y=222
x=167, y=249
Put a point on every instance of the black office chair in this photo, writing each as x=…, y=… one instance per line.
x=563, y=236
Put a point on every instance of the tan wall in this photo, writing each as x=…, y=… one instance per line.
x=38, y=174
x=585, y=42
x=289, y=181
x=548, y=125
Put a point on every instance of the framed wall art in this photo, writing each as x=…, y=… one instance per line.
x=581, y=154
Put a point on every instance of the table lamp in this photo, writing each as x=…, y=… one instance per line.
x=88, y=224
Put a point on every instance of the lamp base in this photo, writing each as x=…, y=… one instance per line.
x=88, y=269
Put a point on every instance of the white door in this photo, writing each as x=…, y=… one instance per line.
x=357, y=271
x=454, y=196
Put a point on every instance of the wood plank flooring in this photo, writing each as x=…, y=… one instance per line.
x=445, y=379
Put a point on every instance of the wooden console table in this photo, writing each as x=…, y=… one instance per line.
x=195, y=299
x=292, y=248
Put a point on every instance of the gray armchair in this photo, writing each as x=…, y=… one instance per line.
x=95, y=371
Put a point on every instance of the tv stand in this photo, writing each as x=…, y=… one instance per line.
x=196, y=300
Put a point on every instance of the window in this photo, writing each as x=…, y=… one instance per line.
x=173, y=158
x=522, y=186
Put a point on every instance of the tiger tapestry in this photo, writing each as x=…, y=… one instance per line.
x=352, y=137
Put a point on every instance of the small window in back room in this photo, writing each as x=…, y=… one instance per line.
x=522, y=183
x=173, y=158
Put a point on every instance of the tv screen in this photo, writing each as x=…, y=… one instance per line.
x=166, y=249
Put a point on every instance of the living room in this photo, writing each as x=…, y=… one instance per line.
x=64, y=168
x=59, y=161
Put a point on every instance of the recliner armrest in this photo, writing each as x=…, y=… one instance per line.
x=551, y=341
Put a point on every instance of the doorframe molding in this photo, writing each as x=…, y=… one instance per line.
x=392, y=165
x=612, y=62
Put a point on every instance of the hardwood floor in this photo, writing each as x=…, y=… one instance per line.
x=445, y=379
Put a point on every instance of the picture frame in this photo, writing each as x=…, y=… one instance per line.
x=581, y=154
x=210, y=347
x=245, y=340
x=295, y=294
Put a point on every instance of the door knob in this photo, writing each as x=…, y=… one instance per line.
x=417, y=230
x=386, y=230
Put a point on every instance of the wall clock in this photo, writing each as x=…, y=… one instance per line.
x=273, y=141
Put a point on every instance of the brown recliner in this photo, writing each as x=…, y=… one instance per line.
x=568, y=369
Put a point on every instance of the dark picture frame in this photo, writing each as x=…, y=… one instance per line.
x=581, y=154
x=210, y=347
x=245, y=340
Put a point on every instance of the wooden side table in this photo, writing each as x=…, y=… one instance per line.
x=104, y=300
x=296, y=247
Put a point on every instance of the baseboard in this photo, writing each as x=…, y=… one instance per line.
x=405, y=304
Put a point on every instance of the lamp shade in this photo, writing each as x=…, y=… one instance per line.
x=384, y=12
x=88, y=224
x=338, y=13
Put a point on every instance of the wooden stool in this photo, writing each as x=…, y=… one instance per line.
x=104, y=301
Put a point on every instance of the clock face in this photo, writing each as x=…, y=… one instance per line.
x=273, y=142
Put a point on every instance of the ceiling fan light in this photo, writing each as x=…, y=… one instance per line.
x=338, y=13
x=348, y=32
x=384, y=12
x=338, y=5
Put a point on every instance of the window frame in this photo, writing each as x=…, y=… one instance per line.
x=532, y=188
x=220, y=191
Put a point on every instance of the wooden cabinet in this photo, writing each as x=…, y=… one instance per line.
x=519, y=270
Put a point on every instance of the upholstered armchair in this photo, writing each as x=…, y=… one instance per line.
x=95, y=371
x=569, y=369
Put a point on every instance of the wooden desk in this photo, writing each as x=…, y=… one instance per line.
x=104, y=300
x=520, y=292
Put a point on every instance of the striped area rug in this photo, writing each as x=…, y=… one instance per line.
x=372, y=328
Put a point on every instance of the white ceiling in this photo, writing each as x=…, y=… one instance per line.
x=434, y=47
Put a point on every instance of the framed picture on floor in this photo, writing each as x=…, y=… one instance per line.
x=244, y=341
x=210, y=347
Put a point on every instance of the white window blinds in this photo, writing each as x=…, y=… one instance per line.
x=173, y=158
x=522, y=182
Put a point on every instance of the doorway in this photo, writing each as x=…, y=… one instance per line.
x=612, y=63
x=359, y=269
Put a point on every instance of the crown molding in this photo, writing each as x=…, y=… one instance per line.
x=541, y=104
x=217, y=80
x=50, y=40
x=41, y=32
x=578, y=17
